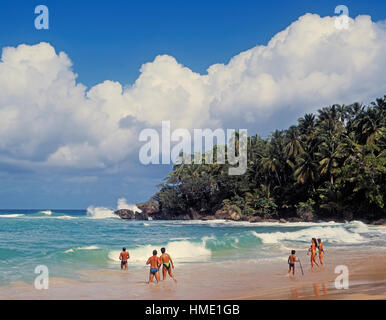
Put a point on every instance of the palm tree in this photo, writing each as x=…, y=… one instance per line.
x=306, y=124
x=294, y=145
x=370, y=123
x=306, y=169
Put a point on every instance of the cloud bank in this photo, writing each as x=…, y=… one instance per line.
x=48, y=119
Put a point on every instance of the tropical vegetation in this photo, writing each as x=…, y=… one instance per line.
x=330, y=164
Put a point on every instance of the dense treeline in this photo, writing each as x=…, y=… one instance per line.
x=332, y=164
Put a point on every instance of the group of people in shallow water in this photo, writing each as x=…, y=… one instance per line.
x=315, y=245
x=164, y=260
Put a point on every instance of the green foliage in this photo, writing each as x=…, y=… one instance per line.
x=330, y=164
x=306, y=207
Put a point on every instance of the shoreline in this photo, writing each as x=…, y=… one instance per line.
x=235, y=280
x=147, y=214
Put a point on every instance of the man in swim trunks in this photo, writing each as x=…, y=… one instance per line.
x=124, y=256
x=155, y=264
x=168, y=265
x=291, y=262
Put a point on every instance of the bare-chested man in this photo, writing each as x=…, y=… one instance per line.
x=168, y=265
x=155, y=264
x=124, y=256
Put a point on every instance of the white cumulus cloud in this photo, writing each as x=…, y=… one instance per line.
x=47, y=118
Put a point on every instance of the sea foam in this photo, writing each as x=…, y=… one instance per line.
x=328, y=234
x=100, y=213
x=16, y=215
x=180, y=251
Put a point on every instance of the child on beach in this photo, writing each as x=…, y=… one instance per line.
x=321, y=252
x=291, y=262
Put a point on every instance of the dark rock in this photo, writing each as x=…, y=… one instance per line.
x=125, y=214
x=131, y=215
x=149, y=207
x=306, y=216
x=255, y=219
x=347, y=215
x=228, y=213
x=194, y=215
x=380, y=222
x=141, y=216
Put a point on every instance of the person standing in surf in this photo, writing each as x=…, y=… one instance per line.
x=124, y=256
x=291, y=262
x=167, y=264
x=312, y=249
x=321, y=252
x=155, y=264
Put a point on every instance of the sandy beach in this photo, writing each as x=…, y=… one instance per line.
x=231, y=280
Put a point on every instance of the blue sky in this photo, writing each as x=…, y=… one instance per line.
x=111, y=41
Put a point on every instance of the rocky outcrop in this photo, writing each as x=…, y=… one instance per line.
x=228, y=213
x=131, y=215
x=306, y=216
x=255, y=219
x=149, y=207
x=152, y=211
x=194, y=215
x=171, y=215
x=380, y=222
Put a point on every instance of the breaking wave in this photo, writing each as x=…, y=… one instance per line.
x=16, y=215
x=100, y=213
x=181, y=252
x=327, y=234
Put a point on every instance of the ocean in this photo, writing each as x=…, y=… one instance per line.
x=68, y=241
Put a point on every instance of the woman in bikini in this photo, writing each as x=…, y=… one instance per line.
x=321, y=252
x=312, y=249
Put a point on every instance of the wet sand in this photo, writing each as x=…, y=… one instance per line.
x=230, y=280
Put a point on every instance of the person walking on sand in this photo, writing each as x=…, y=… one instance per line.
x=167, y=264
x=321, y=252
x=155, y=264
x=124, y=256
x=291, y=262
x=312, y=249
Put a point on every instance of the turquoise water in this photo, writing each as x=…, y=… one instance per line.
x=70, y=240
